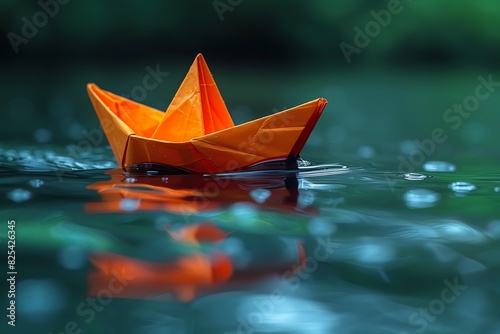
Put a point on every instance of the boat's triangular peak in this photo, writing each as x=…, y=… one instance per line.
x=196, y=109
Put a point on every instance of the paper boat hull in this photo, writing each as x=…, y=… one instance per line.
x=280, y=136
x=276, y=137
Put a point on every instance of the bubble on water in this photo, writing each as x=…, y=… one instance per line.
x=421, y=198
x=414, y=176
x=462, y=187
x=72, y=257
x=36, y=183
x=496, y=189
x=130, y=204
x=130, y=180
x=151, y=172
x=164, y=179
x=318, y=227
x=366, y=152
x=19, y=195
x=42, y=135
x=260, y=195
x=439, y=166
x=40, y=298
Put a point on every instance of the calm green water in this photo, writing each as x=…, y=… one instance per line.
x=400, y=233
x=386, y=252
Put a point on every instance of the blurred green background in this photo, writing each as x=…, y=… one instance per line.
x=390, y=95
x=265, y=57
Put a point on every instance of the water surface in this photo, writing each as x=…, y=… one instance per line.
x=351, y=246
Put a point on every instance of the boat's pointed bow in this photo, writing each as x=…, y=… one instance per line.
x=314, y=109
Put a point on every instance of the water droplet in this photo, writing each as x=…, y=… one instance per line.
x=462, y=187
x=260, y=195
x=164, y=179
x=19, y=195
x=366, y=152
x=439, y=166
x=496, y=189
x=36, y=183
x=420, y=198
x=318, y=227
x=42, y=135
x=415, y=176
x=130, y=179
x=130, y=204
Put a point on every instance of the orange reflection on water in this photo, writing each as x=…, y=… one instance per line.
x=184, y=277
x=193, y=193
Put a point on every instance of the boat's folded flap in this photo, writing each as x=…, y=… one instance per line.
x=272, y=137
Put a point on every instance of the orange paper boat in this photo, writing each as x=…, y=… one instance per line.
x=196, y=133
